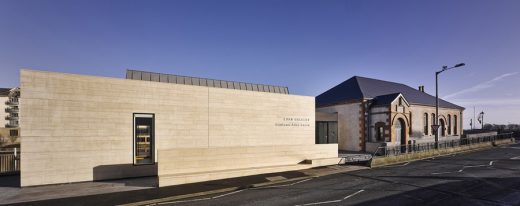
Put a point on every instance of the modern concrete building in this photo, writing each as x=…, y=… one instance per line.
x=180, y=129
x=9, y=130
x=372, y=113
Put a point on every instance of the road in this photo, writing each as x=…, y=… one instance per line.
x=488, y=177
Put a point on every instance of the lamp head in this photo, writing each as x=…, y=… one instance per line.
x=460, y=65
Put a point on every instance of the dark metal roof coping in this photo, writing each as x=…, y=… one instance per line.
x=177, y=79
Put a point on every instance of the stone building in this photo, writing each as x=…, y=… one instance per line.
x=371, y=113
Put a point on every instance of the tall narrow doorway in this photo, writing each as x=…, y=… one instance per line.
x=144, y=132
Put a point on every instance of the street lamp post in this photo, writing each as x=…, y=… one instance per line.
x=436, y=126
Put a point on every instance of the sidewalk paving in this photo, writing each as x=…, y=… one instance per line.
x=132, y=190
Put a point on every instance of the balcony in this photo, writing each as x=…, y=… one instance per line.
x=10, y=125
x=12, y=110
x=9, y=117
x=11, y=103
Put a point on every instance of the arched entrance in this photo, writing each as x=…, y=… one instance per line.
x=400, y=133
x=442, y=127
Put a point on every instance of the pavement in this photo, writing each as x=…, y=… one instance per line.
x=124, y=191
x=485, y=177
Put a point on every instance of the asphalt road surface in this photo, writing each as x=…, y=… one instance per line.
x=488, y=177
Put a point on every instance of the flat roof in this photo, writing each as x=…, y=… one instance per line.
x=4, y=92
x=205, y=82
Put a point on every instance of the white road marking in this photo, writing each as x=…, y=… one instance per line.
x=227, y=194
x=283, y=185
x=440, y=173
x=464, y=167
x=181, y=201
x=513, y=147
x=332, y=201
x=319, y=203
x=352, y=195
x=200, y=199
x=405, y=164
x=461, y=170
x=515, y=158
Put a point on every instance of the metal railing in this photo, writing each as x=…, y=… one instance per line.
x=9, y=162
x=429, y=146
x=11, y=103
x=11, y=110
x=9, y=125
x=11, y=117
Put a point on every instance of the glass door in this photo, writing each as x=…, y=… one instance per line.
x=332, y=132
x=143, y=139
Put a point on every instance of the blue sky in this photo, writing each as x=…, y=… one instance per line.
x=309, y=46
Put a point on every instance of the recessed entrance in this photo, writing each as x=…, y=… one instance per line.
x=400, y=135
x=144, y=139
x=326, y=132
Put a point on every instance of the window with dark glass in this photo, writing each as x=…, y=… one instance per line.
x=433, y=121
x=13, y=133
x=143, y=139
x=425, y=123
x=449, y=124
x=326, y=132
x=455, y=124
x=380, y=134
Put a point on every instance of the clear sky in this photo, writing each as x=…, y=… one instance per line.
x=309, y=46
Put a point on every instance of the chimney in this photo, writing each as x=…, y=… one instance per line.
x=421, y=88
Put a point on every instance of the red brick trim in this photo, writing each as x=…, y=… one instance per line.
x=362, y=127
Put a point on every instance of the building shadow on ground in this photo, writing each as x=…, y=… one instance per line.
x=457, y=191
x=127, y=174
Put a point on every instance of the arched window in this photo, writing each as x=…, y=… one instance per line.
x=380, y=131
x=380, y=134
x=433, y=120
x=425, y=123
x=449, y=124
x=455, y=124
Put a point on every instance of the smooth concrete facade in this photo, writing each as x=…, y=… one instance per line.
x=206, y=164
x=80, y=128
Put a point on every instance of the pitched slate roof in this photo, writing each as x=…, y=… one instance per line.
x=357, y=88
x=385, y=99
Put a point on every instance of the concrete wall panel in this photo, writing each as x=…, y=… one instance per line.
x=80, y=128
